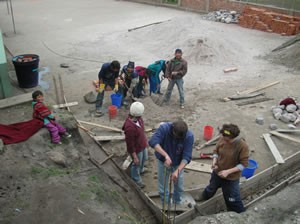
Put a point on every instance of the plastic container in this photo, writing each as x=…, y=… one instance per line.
x=250, y=169
x=112, y=111
x=27, y=70
x=116, y=99
x=208, y=132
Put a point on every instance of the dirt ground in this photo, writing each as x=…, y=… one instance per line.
x=61, y=32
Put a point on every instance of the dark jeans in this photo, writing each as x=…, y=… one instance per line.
x=100, y=96
x=231, y=192
x=128, y=84
x=137, y=91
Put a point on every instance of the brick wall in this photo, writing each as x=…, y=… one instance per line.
x=269, y=21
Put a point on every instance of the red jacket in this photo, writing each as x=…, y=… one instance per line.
x=135, y=137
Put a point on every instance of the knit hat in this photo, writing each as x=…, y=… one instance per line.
x=130, y=64
x=136, y=109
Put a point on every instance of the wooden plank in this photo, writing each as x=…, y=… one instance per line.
x=252, y=90
x=288, y=130
x=101, y=126
x=109, y=157
x=109, y=138
x=285, y=136
x=273, y=148
x=254, y=101
x=65, y=105
x=259, y=88
x=232, y=69
x=15, y=100
x=200, y=167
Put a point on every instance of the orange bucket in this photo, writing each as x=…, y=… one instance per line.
x=112, y=111
x=208, y=132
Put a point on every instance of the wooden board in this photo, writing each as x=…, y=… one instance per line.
x=252, y=90
x=233, y=69
x=65, y=105
x=200, y=167
x=288, y=130
x=285, y=136
x=273, y=148
x=101, y=126
x=15, y=100
x=109, y=138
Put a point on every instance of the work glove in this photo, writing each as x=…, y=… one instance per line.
x=116, y=89
x=100, y=89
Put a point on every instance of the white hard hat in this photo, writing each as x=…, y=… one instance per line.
x=137, y=109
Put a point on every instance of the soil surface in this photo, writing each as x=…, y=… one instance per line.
x=97, y=32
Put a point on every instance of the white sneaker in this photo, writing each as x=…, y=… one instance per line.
x=182, y=106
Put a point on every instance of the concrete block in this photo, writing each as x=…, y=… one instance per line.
x=291, y=108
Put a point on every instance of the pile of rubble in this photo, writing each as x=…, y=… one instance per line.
x=223, y=16
x=268, y=21
x=287, y=111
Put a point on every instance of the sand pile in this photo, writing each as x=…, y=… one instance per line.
x=289, y=57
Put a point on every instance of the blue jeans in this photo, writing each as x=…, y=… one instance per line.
x=178, y=186
x=136, y=170
x=230, y=189
x=179, y=83
x=100, y=96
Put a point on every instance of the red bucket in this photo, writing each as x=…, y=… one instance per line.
x=208, y=132
x=112, y=111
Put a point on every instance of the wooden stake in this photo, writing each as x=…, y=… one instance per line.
x=56, y=90
x=208, y=143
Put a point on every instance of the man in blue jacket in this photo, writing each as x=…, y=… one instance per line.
x=173, y=144
x=108, y=76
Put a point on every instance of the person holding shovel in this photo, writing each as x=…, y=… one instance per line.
x=175, y=71
x=129, y=76
x=136, y=141
x=108, y=76
x=173, y=144
x=154, y=70
x=229, y=159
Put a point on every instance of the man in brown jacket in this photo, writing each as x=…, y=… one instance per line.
x=175, y=71
x=229, y=159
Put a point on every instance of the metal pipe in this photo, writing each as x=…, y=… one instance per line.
x=12, y=17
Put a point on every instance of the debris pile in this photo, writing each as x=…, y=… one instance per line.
x=268, y=21
x=223, y=16
x=287, y=111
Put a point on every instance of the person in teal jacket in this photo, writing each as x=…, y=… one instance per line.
x=156, y=68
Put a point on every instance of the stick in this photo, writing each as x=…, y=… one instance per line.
x=68, y=105
x=111, y=155
x=273, y=148
x=254, y=101
x=109, y=138
x=62, y=93
x=285, y=136
x=56, y=90
x=240, y=97
x=209, y=142
x=150, y=24
x=101, y=126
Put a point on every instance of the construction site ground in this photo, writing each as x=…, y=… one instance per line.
x=35, y=190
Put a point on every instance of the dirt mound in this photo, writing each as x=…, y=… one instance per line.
x=289, y=56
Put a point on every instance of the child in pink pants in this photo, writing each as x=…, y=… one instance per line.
x=42, y=112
